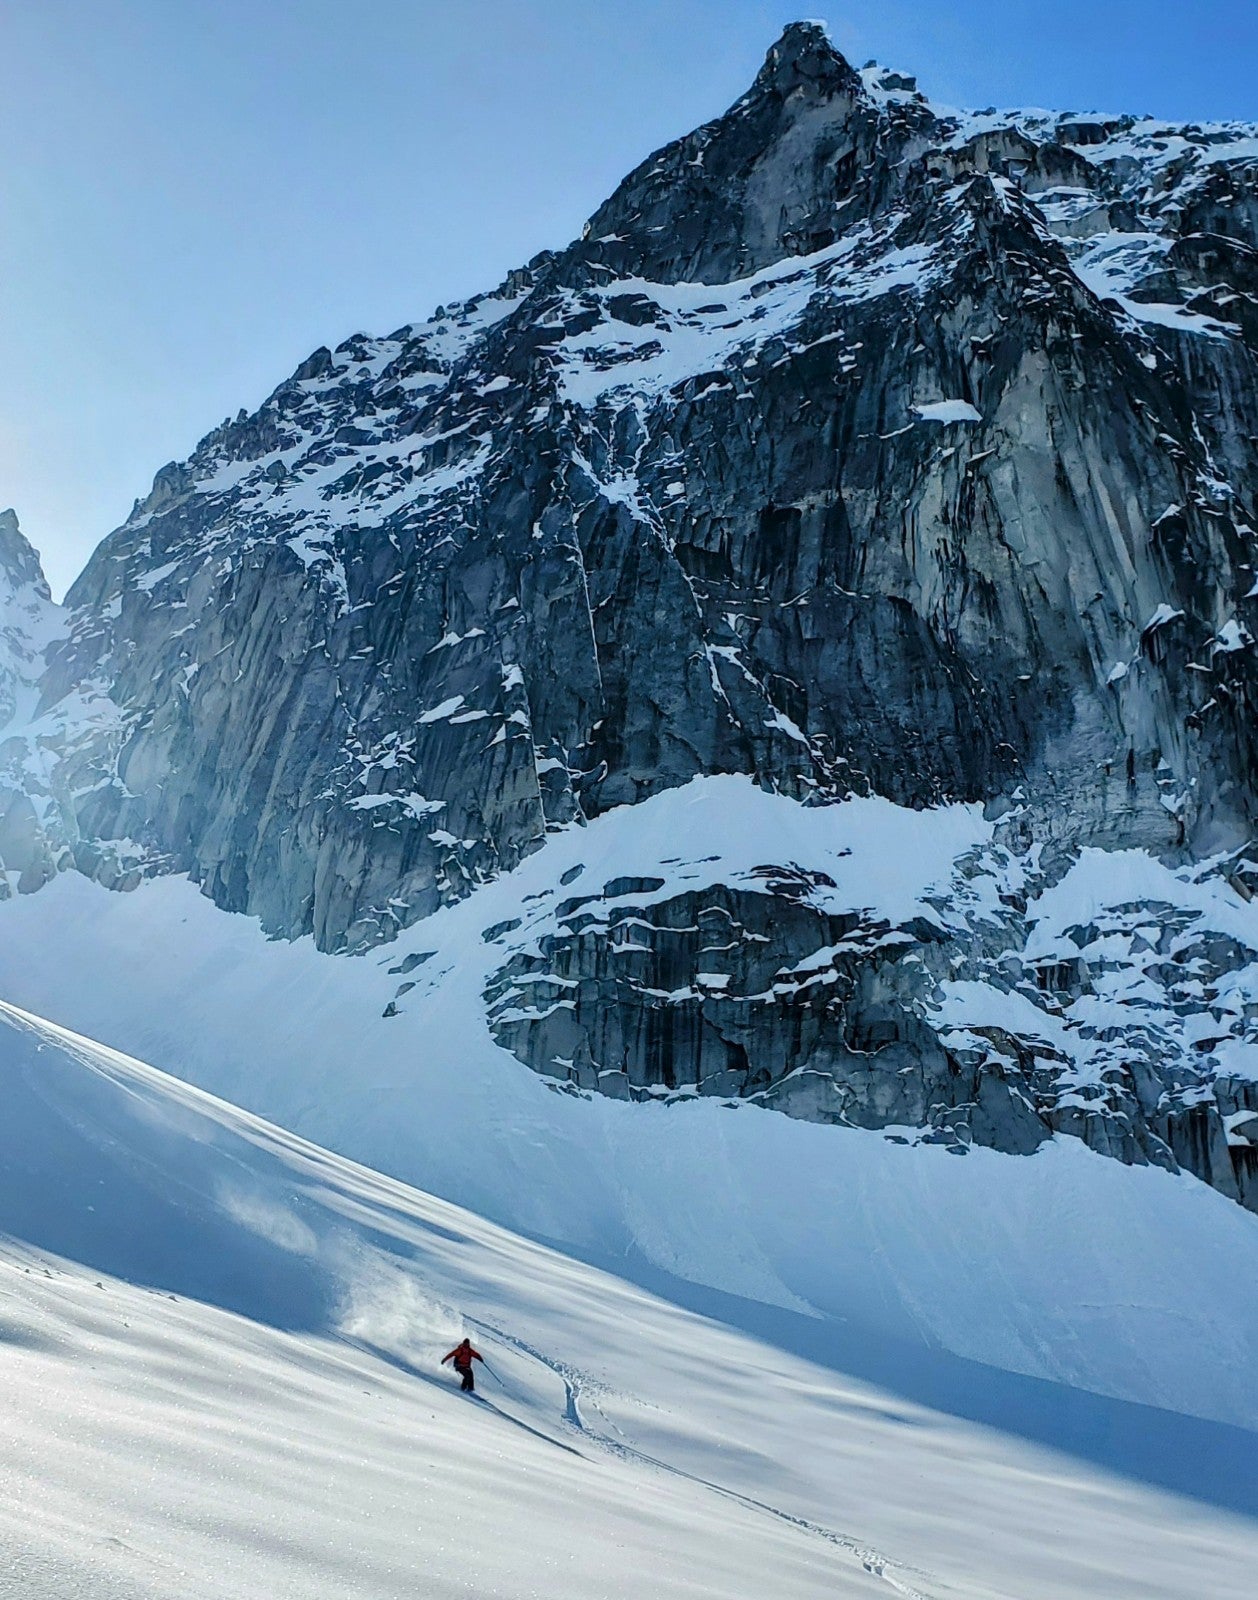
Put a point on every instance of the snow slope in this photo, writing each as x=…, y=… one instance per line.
x=1064, y=1267
x=232, y=1337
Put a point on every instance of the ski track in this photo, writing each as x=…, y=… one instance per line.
x=516, y=1422
x=873, y=1561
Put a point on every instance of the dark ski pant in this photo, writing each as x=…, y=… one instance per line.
x=469, y=1384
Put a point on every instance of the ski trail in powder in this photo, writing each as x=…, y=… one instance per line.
x=871, y=1560
x=507, y=1416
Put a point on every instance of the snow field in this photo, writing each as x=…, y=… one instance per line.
x=286, y=1430
x=1064, y=1267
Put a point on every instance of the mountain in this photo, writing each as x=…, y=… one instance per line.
x=856, y=527
x=29, y=623
x=24, y=630
x=246, y=1392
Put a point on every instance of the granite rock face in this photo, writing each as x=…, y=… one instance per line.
x=859, y=447
x=1114, y=1001
x=755, y=996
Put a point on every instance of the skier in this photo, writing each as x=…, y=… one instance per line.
x=463, y=1355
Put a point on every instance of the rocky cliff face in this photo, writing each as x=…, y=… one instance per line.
x=1114, y=1003
x=30, y=624
x=24, y=622
x=860, y=447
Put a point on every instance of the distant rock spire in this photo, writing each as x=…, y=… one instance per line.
x=19, y=561
x=805, y=55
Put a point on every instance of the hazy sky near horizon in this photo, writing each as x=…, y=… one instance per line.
x=197, y=194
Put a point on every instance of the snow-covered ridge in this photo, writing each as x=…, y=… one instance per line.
x=1124, y=189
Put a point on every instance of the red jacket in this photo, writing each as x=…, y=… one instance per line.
x=462, y=1355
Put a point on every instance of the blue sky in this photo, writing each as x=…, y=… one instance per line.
x=196, y=193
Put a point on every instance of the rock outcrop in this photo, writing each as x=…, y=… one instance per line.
x=1117, y=1002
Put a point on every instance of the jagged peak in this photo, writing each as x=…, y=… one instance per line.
x=19, y=560
x=806, y=55
x=710, y=205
